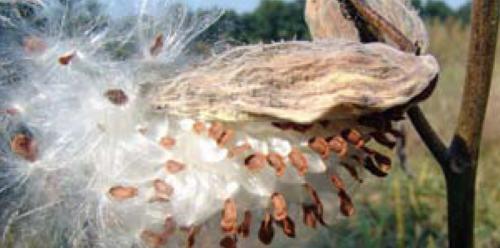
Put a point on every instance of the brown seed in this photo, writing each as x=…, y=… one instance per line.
x=167, y=142
x=279, y=205
x=152, y=239
x=192, y=231
x=238, y=150
x=34, y=45
x=24, y=146
x=163, y=191
x=299, y=161
x=121, y=193
x=169, y=227
x=338, y=145
x=226, y=136
x=116, y=96
x=309, y=215
x=173, y=166
x=216, y=130
x=353, y=137
x=318, y=211
x=337, y=181
x=229, y=221
x=277, y=162
x=266, y=230
x=255, y=161
x=199, y=127
x=320, y=146
x=244, y=228
x=346, y=205
x=228, y=242
x=370, y=165
x=157, y=46
x=66, y=58
x=288, y=227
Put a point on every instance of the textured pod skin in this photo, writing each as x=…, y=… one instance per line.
x=301, y=82
x=325, y=20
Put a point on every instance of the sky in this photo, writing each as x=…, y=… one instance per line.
x=249, y=5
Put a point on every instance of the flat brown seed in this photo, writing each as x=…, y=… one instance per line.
x=370, y=165
x=320, y=146
x=309, y=215
x=338, y=145
x=238, y=150
x=66, y=58
x=216, y=130
x=382, y=139
x=229, y=221
x=174, y=167
x=157, y=46
x=121, y=193
x=289, y=227
x=192, y=231
x=24, y=146
x=316, y=203
x=299, y=161
x=169, y=227
x=228, y=242
x=346, y=205
x=352, y=171
x=244, y=228
x=354, y=137
x=167, y=142
x=152, y=239
x=226, y=136
x=255, y=161
x=266, y=230
x=277, y=162
x=279, y=205
x=337, y=181
x=116, y=96
x=163, y=191
x=199, y=127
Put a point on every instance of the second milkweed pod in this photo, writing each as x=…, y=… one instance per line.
x=315, y=81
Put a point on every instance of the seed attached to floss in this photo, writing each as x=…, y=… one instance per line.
x=288, y=227
x=277, y=162
x=163, y=191
x=309, y=215
x=152, y=239
x=24, y=146
x=279, y=205
x=174, y=167
x=266, y=230
x=116, y=96
x=346, y=205
x=244, y=228
x=299, y=161
x=226, y=136
x=238, y=150
x=167, y=142
x=320, y=146
x=66, y=58
x=255, y=161
x=353, y=137
x=229, y=221
x=317, y=204
x=34, y=45
x=192, y=231
x=216, y=130
x=199, y=127
x=121, y=193
x=228, y=242
x=157, y=46
x=338, y=145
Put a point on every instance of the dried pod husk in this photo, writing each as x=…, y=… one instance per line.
x=330, y=80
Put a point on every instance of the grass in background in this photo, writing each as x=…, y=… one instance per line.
x=401, y=211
